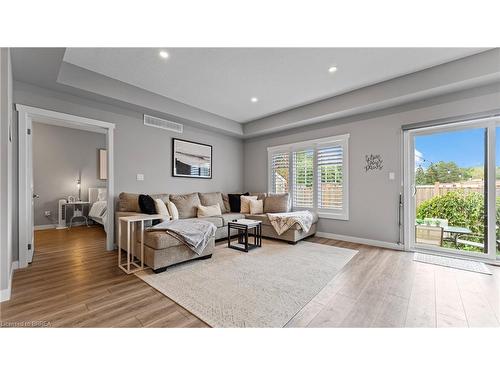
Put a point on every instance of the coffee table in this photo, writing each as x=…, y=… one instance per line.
x=245, y=228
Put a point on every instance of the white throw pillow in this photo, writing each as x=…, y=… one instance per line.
x=174, y=213
x=161, y=209
x=207, y=211
x=256, y=207
x=245, y=203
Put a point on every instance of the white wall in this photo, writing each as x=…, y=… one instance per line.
x=373, y=198
x=6, y=159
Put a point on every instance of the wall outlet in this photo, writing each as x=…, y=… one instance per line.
x=46, y=213
x=140, y=177
x=392, y=175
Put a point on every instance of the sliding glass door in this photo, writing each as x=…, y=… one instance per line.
x=450, y=188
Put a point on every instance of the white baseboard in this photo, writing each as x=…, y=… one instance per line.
x=44, y=226
x=5, y=293
x=55, y=226
x=364, y=241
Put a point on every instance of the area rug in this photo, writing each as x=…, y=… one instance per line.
x=461, y=264
x=263, y=288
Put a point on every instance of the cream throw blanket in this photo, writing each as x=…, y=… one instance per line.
x=281, y=222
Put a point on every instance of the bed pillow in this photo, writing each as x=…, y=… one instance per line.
x=245, y=203
x=235, y=201
x=256, y=207
x=102, y=194
x=207, y=211
x=174, y=213
x=161, y=208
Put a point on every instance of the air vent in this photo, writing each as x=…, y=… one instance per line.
x=162, y=124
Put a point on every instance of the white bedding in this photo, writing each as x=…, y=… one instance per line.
x=98, y=213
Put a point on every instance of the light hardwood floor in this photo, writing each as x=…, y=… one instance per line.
x=74, y=282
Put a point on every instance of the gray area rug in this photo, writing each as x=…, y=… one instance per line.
x=263, y=288
x=461, y=264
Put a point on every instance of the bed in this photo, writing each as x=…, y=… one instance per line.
x=98, y=205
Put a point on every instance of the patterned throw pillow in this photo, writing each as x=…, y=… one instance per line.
x=256, y=207
x=245, y=203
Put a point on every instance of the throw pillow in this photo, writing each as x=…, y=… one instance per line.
x=174, y=214
x=147, y=204
x=275, y=203
x=235, y=201
x=209, y=199
x=207, y=211
x=256, y=207
x=186, y=204
x=161, y=208
x=245, y=203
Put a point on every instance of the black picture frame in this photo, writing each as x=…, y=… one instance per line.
x=180, y=169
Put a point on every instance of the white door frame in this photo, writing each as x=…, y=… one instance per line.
x=29, y=114
x=409, y=201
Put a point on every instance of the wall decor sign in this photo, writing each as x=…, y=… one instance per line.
x=191, y=159
x=373, y=162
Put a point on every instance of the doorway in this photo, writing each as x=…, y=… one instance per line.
x=28, y=115
x=451, y=187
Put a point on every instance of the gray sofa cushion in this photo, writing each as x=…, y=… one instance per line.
x=186, y=204
x=211, y=199
x=215, y=220
x=275, y=203
x=260, y=196
x=159, y=240
x=231, y=216
x=129, y=202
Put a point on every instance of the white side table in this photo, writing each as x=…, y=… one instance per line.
x=131, y=266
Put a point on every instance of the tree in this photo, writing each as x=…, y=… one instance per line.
x=442, y=172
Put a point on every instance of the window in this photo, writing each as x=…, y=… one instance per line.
x=314, y=173
x=303, y=184
x=280, y=169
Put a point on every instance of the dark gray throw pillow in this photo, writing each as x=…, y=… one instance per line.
x=147, y=206
x=235, y=201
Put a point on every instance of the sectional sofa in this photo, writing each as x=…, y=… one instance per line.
x=162, y=250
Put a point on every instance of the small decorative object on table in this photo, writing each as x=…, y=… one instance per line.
x=245, y=228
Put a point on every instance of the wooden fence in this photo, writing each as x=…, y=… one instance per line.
x=425, y=192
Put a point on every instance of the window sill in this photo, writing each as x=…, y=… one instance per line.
x=328, y=215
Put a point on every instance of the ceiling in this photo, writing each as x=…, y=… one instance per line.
x=222, y=81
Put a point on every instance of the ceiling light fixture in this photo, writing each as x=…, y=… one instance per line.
x=164, y=54
x=332, y=69
x=254, y=100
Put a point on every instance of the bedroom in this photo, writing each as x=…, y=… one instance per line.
x=69, y=181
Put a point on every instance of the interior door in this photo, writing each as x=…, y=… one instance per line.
x=33, y=195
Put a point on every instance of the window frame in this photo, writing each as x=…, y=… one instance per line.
x=315, y=144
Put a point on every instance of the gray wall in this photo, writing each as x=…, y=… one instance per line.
x=373, y=198
x=6, y=162
x=146, y=150
x=59, y=153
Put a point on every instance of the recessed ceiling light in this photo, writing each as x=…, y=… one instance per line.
x=332, y=69
x=164, y=54
x=254, y=100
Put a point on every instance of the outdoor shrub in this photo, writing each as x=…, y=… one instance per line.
x=459, y=208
